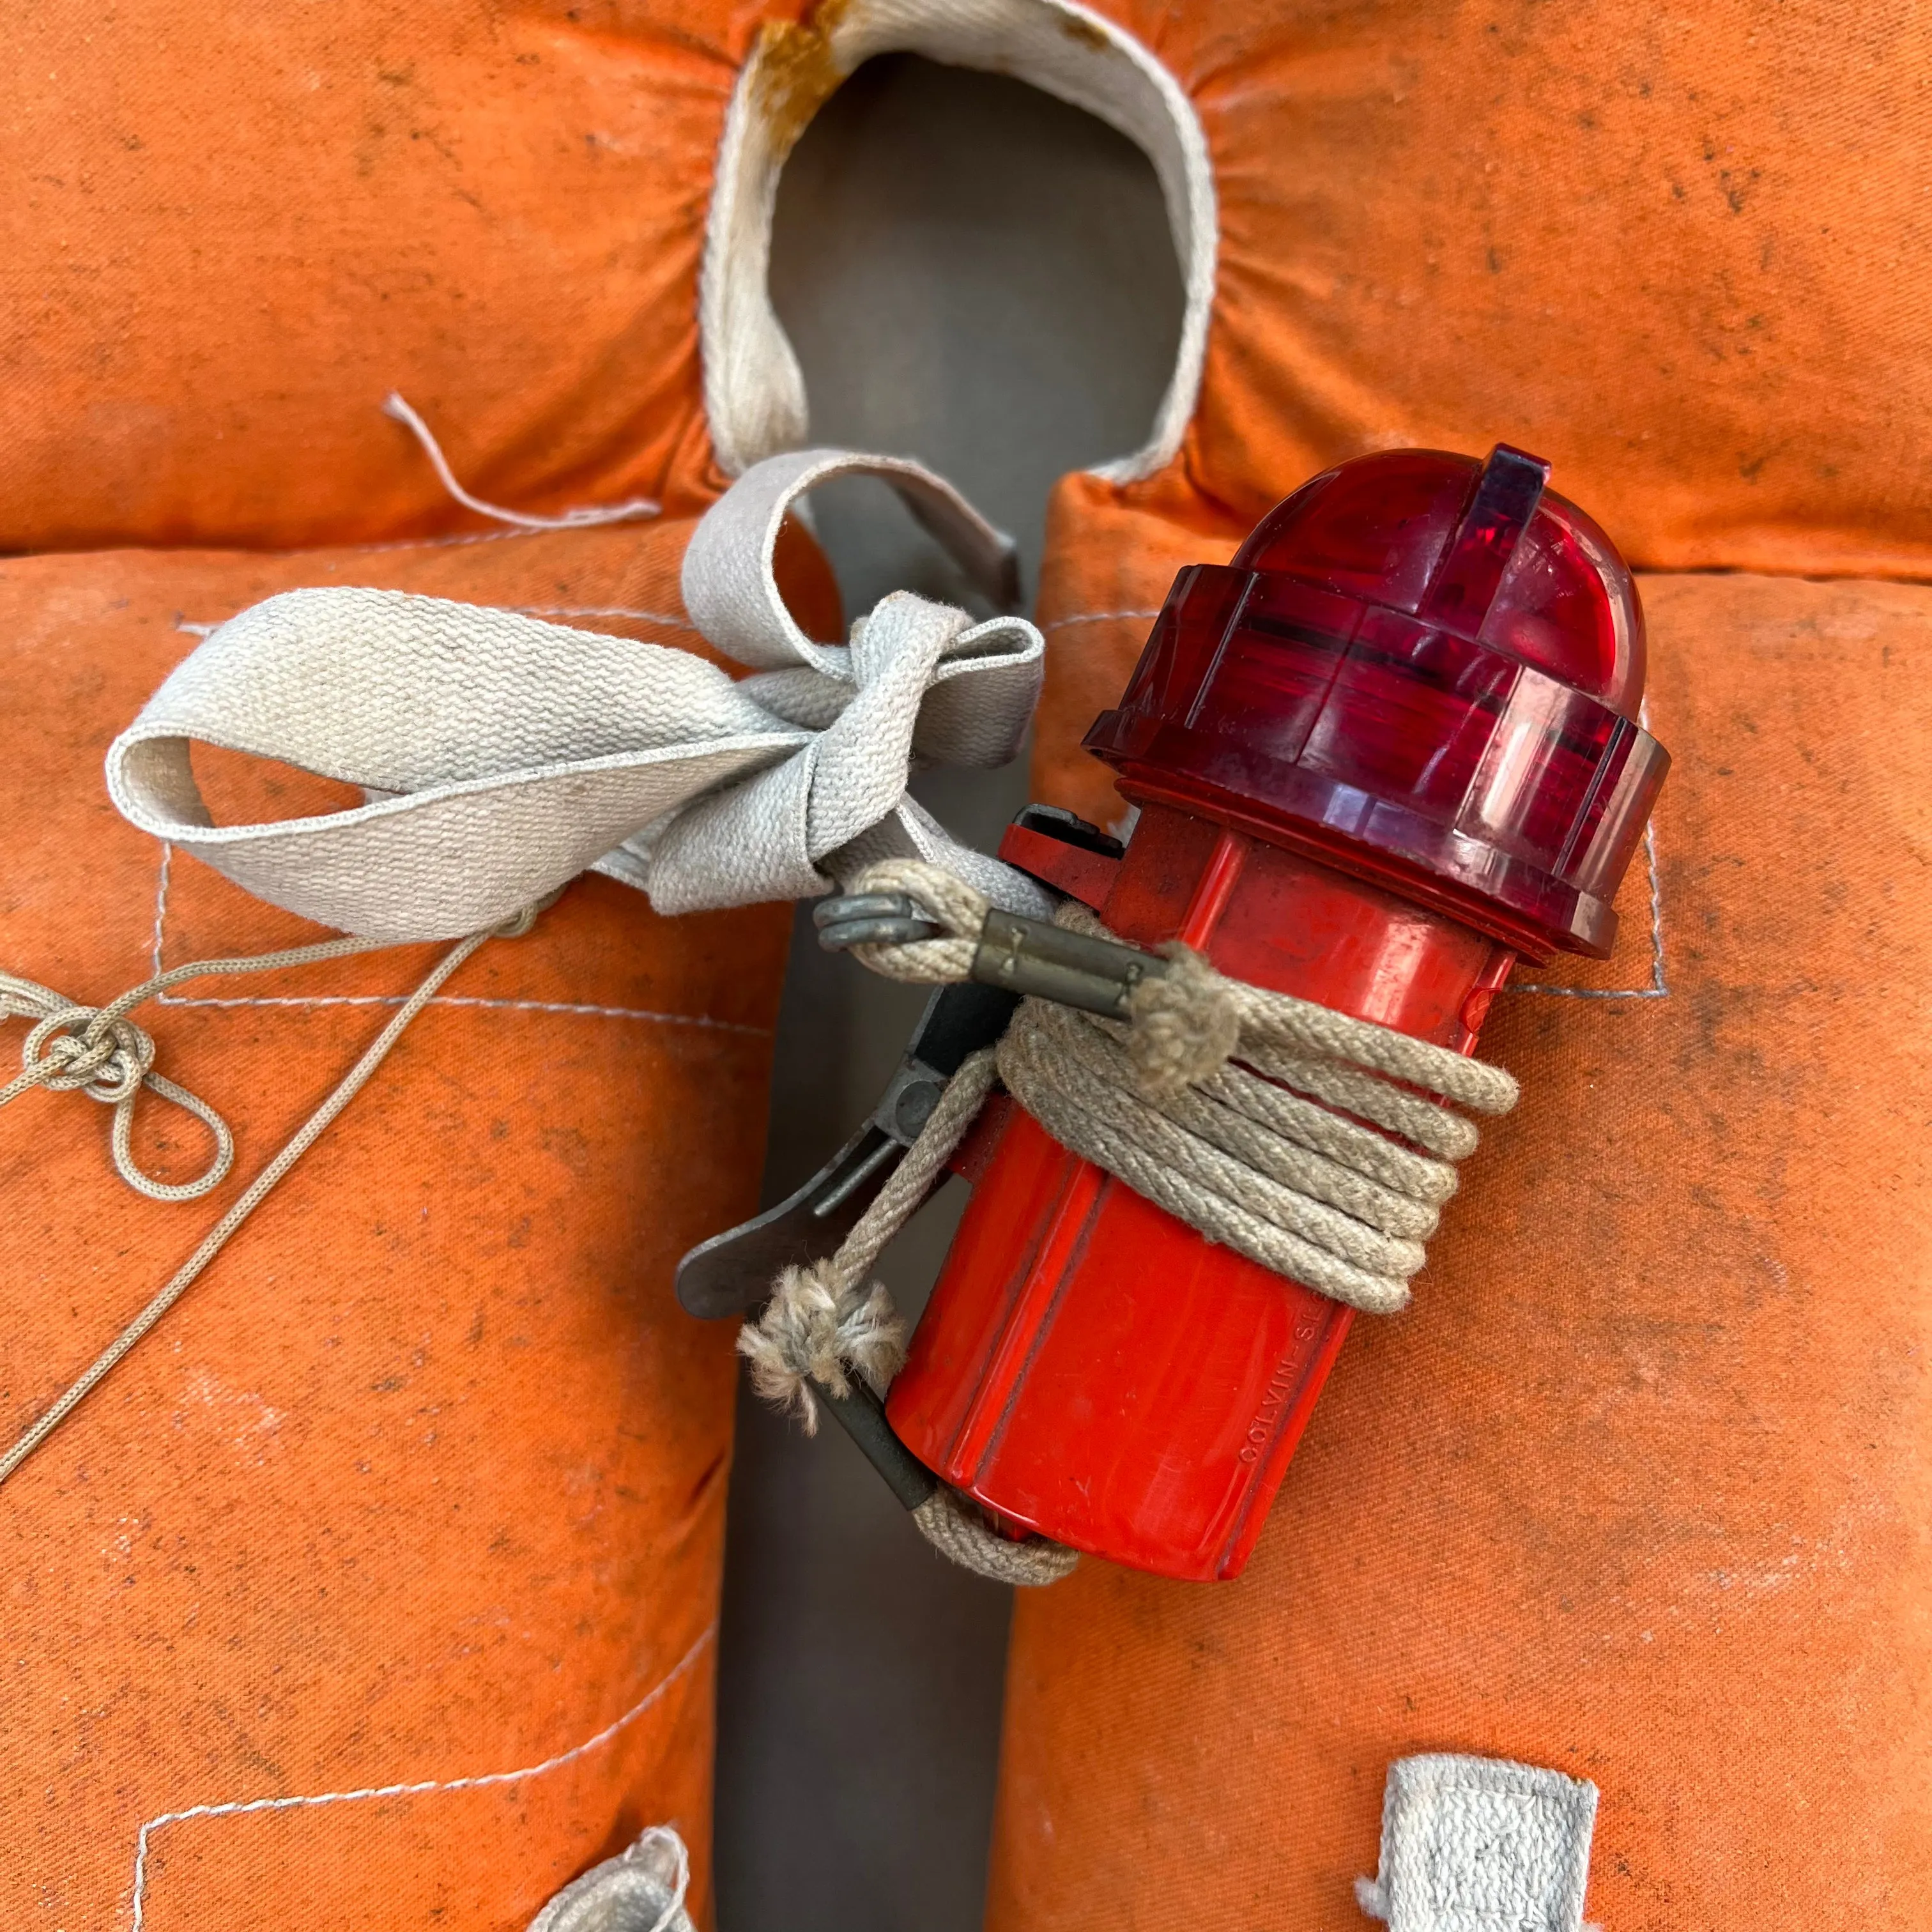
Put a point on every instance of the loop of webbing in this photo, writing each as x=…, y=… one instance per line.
x=501, y=755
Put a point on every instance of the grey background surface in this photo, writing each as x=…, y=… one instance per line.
x=976, y=275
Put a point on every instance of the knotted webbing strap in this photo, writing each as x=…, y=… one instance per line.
x=503, y=755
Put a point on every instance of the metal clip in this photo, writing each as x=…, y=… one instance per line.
x=1073, y=969
x=733, y=1271
x=870, y=918
x=1019, y=955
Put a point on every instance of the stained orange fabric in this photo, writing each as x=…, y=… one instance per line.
x=231, y=231
x=1682, y=255
x=1680, y=251
x=376, y=1588
x=1641, y=1487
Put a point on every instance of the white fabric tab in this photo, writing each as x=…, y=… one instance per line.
x=501, y=755
x=1476, y=1844
x=642, y=1889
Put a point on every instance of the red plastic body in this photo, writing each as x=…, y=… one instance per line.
x=1392, y=745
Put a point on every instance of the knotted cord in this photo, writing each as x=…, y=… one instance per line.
x=1263, y=1120
x=1299, y=1137
x=100, y=1052
x=830, y=1321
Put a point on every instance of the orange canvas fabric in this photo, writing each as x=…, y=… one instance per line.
x=232, y=232
x=1638, y=1490
x=1640, y=1487
x=1680, y=252
x=1673, y=254
x=1107, y=567
x=377, y=1587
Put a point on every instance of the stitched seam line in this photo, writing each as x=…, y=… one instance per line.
x=441, y=1000
x=235, y=1807
x=1659, y=987
x=1096, y=617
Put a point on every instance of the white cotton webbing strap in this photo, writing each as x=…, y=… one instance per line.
x=258, y=1190
x=1478, y=1844
x=501, y=756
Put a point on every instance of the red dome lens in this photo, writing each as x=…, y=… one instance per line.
x=1418, y=667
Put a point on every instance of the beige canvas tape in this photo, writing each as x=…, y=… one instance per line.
x=501, y=755
x=1478, y=1844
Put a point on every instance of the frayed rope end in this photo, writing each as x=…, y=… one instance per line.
x=816, y=1326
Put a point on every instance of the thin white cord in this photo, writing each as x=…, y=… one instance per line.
x=582, y=518
x=100, y=1052
x=305, y=1137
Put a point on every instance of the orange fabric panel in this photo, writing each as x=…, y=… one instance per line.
x=377, y=1586
x=1677, y=253
x=1640, y=1488
x=1681, y=251
x=232, y=231
x=1108, y=565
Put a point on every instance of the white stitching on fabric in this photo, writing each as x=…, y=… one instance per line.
x=1097, y=617
x=1659, y=987
x=441, y=1000
x=406, y=543
x=475, y=1782
x=160, y=908
x=427, y=543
